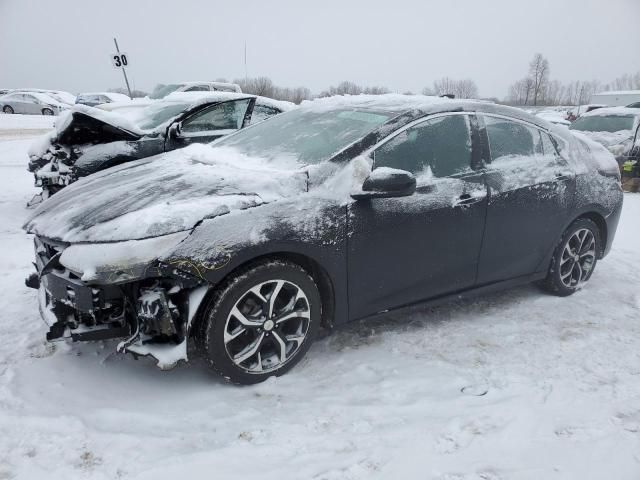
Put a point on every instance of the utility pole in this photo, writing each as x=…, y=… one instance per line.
x=245, y=62
x=124, y=72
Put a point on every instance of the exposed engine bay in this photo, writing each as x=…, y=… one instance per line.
x=154, y=310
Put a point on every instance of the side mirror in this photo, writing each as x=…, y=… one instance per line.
x=386, y=182
x=174, y=130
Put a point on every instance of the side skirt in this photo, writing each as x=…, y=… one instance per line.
x=463, y=294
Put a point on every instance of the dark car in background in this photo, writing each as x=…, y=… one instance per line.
x=343, y=209
x=93, y=139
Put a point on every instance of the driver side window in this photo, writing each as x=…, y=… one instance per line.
x=438, y=147
x=222, y=116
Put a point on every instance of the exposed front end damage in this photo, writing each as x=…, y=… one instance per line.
x=150, y=308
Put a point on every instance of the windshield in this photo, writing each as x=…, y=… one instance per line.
x=152, y=116
x=308, y=136
x=162, y=91
x=602, y=123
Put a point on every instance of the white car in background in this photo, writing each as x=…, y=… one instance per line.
x=60, y=95
x=31, y=103
x=555, y=117
x=617, y=128
x=162, y=91
x=98, y=98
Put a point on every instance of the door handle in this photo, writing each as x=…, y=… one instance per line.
x=466, y=199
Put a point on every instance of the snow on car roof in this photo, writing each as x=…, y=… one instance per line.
x=112, y=95
x=605, y=111
x=204, y=97
x=389, y=102
x=619, y=92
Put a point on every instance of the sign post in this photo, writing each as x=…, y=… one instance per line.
x=121, y=60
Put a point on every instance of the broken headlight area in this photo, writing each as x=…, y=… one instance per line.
x=151, y=310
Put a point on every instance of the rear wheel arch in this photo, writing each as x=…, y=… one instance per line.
x=599, y=220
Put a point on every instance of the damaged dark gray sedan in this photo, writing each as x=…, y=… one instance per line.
x=343, y=209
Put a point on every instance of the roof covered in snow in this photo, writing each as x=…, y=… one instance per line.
x=606, y=111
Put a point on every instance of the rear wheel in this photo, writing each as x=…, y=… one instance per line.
x=47, y=111
x=7, y=109
x=574, y=259
x=261, y=322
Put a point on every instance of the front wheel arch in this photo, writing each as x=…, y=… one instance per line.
x=316, y=271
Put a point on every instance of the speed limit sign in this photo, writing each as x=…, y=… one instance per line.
x=119, y=60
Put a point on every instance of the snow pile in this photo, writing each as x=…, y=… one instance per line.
x=163, y=194
x=26, y=122
x=389, y=101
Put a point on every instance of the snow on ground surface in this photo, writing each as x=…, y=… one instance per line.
x=23, y=126
x=513, y=385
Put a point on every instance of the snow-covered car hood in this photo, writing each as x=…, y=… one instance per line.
x=164, y=194
x=617, y=143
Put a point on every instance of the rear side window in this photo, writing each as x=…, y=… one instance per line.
x=438, y=147
x=262, y=112
x=509, y=140
x=222, y=116
x=198, y=88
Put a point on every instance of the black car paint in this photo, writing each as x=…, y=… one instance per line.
x=379, y=259
x=375, y=255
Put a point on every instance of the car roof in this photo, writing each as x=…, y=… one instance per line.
x=420, y=105
x=612, y=111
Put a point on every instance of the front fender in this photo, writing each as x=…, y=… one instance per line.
x=313, y=228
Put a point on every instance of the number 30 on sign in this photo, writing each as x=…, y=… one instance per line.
x=119, y=60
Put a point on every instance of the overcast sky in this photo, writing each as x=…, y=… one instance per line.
x=404, y=45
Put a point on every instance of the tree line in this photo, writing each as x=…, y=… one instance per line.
x=536, y=88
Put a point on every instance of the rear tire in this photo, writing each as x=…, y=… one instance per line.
x=7, y=109
x=574, y=259
x=260, y=323
x=47, y=111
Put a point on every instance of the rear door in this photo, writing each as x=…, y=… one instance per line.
x=531, y=195
x=405, y=250
x=211, y=123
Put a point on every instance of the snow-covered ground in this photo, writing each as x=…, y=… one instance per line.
x=515, y=385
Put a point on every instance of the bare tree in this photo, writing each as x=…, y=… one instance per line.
x=444, y=86
x=539, y=74
x=465, y=88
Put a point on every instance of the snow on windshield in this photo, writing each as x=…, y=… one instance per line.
x=163, y=194
x=306, y=135
x=604, y=123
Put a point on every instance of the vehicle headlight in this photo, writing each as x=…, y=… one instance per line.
x=118, y=261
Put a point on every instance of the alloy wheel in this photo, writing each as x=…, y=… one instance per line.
x=578, y=258
x=267, y=326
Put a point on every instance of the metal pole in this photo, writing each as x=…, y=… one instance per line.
x=126, y=80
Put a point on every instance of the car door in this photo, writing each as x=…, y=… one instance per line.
x=408, y=249
x=210, y=123
x=31, y=105
x=19, y=103
x=531, y=194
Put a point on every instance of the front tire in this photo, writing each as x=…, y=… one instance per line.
x=261, y=322
x=575, y=258
x=8, y=110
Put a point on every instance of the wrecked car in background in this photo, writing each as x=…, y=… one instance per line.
x=87, y=140
x=617, y=129
x=342, y=209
